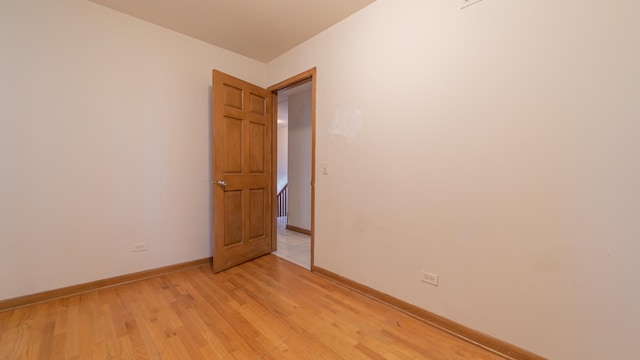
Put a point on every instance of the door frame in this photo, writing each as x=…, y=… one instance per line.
x=306, y=76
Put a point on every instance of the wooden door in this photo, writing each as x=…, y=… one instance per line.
x=242, y=138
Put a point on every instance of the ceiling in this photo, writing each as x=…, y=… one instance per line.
x=259, y=29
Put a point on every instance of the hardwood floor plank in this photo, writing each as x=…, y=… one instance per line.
x=218, y=332
x=86, y=318
x=57, y=347
x=8, y=350
x=45, y=348
x=264, y=309
x=73, y=327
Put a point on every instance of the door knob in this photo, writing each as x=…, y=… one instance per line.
x=222, y=183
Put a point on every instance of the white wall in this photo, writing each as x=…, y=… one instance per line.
x=498, y=148
x=299, y=166
x=104, y=141
x=283, y=147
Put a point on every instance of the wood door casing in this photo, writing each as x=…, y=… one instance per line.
x=242, y=141
x=309, y=75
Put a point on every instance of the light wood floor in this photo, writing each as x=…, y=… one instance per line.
x=265, y=309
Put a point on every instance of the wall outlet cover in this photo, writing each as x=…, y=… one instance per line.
x=430, y=278
x=141, y=246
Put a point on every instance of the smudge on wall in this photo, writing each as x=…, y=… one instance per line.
x=346, y=122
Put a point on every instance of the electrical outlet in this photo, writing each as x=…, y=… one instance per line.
x=141, y=246
x=430, y=278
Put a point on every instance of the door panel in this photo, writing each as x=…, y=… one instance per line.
x=242, y=141
x=257, y=104
x=232, y=218
x=232, y=97
x=257, y=219
x=232, y=139
x=257, y=149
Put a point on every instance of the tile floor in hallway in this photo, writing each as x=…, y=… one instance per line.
x=293, y=246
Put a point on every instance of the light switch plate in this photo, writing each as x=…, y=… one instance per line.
x=325, y=168
x=465, y=3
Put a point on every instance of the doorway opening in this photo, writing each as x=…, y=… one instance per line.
x=294, y=155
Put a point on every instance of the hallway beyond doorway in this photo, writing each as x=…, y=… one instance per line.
x=293, y=246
